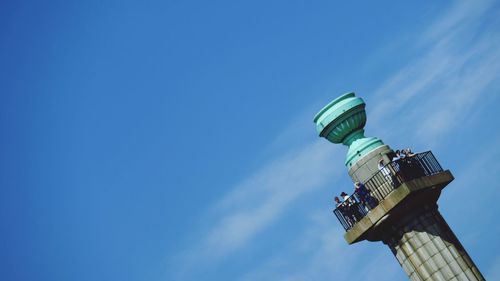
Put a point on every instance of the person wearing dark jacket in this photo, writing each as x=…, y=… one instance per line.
x=364, y=196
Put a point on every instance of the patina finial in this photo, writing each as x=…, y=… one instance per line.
x=343, y=121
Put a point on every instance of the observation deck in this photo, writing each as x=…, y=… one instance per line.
x=397, y=187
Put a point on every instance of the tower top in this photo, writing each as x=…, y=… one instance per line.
x=343, y=121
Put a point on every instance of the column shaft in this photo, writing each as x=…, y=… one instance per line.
x=427, y=249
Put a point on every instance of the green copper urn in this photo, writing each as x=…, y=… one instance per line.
x=343, y=121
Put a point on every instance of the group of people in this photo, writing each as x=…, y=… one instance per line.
x=398, y=155
x=404, y=167
x=401, y=154
x=354, y=207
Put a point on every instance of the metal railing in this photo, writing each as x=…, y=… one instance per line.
x=380, y=185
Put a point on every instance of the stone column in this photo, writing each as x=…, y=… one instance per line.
x=427, y=249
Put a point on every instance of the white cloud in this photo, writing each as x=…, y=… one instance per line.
x=320, y=253
x=321, y=242
x=461, y=14
x=433, y=94
x=260, y=199
x=438, y=90
x=494, y=271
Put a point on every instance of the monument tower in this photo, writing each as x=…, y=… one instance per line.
x=400, y=205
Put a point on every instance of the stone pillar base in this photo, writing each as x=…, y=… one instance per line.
x=427, y=249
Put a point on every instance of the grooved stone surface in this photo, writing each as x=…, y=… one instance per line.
x=427, y=249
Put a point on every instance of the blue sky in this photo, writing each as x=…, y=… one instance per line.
x=173, y=140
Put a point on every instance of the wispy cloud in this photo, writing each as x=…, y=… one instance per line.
x=463, y=14
x=324, y=255
x=431, y=95
x=260, y=199
x=494, y=271
x=322, y=246
x=435, y=92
